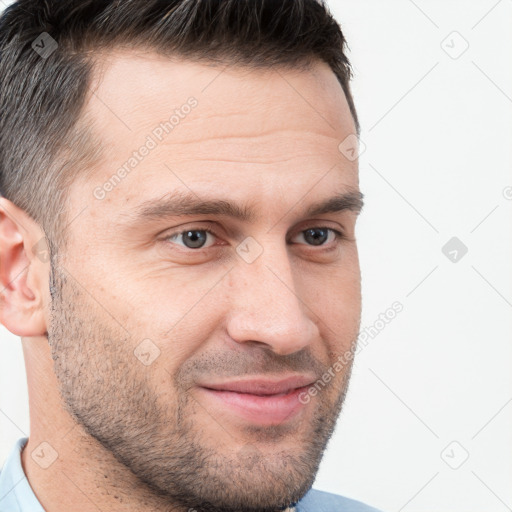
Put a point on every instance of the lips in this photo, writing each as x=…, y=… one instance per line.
x=259, y=400
x=263, y=386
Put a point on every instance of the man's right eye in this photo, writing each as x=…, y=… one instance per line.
x=195, y=238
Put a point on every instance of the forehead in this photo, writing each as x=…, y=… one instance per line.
x=258, y=128
x=132, y=90
x=124, y=76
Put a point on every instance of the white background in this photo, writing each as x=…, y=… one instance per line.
x=434, y=385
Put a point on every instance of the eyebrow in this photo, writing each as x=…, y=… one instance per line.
x=184, y=203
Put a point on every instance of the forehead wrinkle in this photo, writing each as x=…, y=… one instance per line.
x=269, y=147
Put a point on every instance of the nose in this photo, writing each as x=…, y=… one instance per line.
x=265, y=305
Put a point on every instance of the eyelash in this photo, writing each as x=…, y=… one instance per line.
x=337, y=234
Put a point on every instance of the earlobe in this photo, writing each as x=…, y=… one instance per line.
x=22, y=273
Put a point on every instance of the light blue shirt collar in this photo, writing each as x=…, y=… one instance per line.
x=16, y=495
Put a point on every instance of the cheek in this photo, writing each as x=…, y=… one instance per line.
x=339, y=316
x=179, y=319
x=335, y=287
x=334, y=302
x=163, y=302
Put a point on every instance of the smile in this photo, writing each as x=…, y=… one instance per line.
x=260, y=401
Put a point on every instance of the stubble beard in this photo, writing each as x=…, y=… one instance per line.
x=109, y=394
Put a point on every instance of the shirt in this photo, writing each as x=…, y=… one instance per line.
x=16, y=495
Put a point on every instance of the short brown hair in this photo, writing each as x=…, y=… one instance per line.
x=44, y=139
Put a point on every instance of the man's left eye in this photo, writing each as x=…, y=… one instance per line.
x=317, y=236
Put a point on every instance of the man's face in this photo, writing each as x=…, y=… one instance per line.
x=150, y=310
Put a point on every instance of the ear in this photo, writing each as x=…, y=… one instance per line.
x=24, y=272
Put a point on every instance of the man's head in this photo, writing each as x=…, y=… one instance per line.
x=181, y=160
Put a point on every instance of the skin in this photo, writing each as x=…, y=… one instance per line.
x=135, y=437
